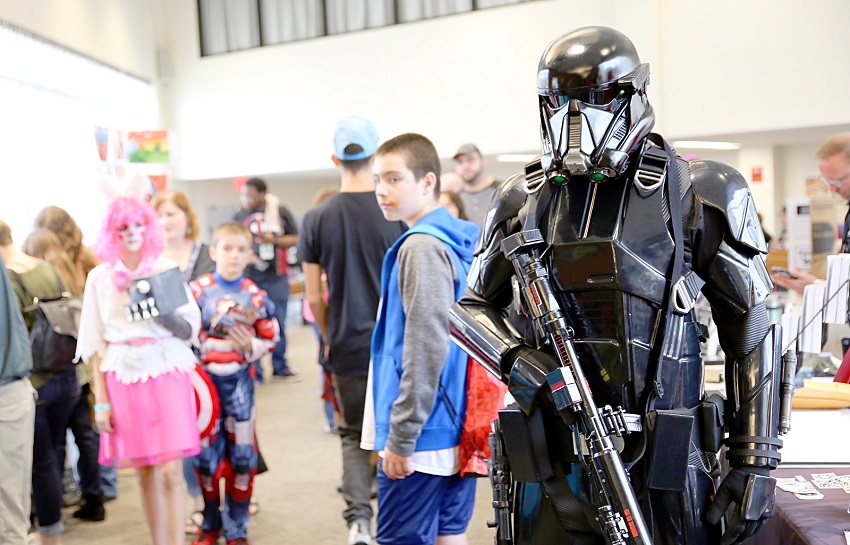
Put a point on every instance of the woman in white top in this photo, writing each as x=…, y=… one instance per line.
x=144, y=402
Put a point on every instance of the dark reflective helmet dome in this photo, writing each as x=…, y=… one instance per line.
x=593, y=106
x=585, y=58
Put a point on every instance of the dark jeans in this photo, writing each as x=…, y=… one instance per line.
x=88, y=442
x=357, y=471
x=278, y=290
x=56, y=401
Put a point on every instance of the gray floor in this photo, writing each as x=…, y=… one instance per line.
x=298, y=498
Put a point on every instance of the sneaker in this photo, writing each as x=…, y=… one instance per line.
x=358, y=533
x=239, y=541
x=204, y=537
x=287, y=376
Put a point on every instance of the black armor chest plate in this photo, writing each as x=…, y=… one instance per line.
x=610, y=237
x=609, y=260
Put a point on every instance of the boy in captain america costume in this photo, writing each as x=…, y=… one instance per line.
x=238, y=327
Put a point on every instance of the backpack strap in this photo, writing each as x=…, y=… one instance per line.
x=18, y=279
x=33, y=300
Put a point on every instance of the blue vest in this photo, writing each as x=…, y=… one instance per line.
x=443, y=426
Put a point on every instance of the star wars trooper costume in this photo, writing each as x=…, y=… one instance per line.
x=624, y=235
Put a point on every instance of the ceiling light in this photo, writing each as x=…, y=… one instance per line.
x=515, y=158
x=705, y=144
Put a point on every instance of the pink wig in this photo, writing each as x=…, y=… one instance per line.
x=109, y=247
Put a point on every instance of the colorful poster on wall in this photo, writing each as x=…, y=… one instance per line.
x=101, y=138
x=159, y=181
x=148, y=147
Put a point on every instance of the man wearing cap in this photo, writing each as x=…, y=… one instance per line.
x=347, y=237
x=478, y=187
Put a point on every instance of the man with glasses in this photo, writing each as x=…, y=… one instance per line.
x=834, y=164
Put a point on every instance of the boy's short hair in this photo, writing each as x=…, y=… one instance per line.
x=357, y=165
x=419, y=154
x=231, y=228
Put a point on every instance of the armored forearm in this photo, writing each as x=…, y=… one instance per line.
x=483, y=332
x=753, y=407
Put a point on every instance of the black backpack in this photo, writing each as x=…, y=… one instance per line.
x=55, y=322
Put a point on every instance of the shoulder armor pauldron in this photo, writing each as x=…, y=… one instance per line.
x=723, y=188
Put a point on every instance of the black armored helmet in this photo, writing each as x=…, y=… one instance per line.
x=593, y=107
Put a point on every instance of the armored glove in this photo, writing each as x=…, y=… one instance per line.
x=179, y=327
x=526, y=370
x=752, y=490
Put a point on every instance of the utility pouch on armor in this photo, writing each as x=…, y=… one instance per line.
x=670, y=443
x=525, y=443
x=711, y=423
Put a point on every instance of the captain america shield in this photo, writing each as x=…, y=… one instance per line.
x=206, y=401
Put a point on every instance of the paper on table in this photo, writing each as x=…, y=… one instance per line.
x=811, y=318
x=790, y=326
x=837, y=277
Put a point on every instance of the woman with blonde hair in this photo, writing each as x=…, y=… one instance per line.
x=179, y=228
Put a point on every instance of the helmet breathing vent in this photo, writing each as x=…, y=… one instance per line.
x=621, y=131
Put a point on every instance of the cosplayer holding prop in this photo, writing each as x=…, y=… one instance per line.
x=626, y=235
x=144, y=398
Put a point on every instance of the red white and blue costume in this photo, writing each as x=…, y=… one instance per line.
x=230, y=451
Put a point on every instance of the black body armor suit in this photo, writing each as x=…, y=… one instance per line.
x=630, y=234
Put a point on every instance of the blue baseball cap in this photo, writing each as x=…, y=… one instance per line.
x=355, y=138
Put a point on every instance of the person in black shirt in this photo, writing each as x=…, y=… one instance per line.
x=347, y=237
x=272, y=237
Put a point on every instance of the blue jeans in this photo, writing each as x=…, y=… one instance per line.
x=109, y=481
x=56, y=401
x=278, y=290
x=193, y=487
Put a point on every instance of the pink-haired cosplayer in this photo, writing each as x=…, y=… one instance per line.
x=144, y=399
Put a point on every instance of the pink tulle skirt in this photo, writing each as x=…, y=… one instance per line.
x=154, y=421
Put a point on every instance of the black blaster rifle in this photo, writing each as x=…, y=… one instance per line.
x=619, y=516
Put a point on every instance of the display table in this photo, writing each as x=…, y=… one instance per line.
x=807, y=522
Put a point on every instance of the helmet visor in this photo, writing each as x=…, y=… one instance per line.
x=593, y=96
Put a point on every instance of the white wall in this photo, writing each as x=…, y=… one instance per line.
x=754, y=65
x=117, y=32
x=718, y=68
x=468, y=77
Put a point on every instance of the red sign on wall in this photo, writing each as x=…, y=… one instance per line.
x=756, y=174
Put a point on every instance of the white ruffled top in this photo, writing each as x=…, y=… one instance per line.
x=104, y=330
